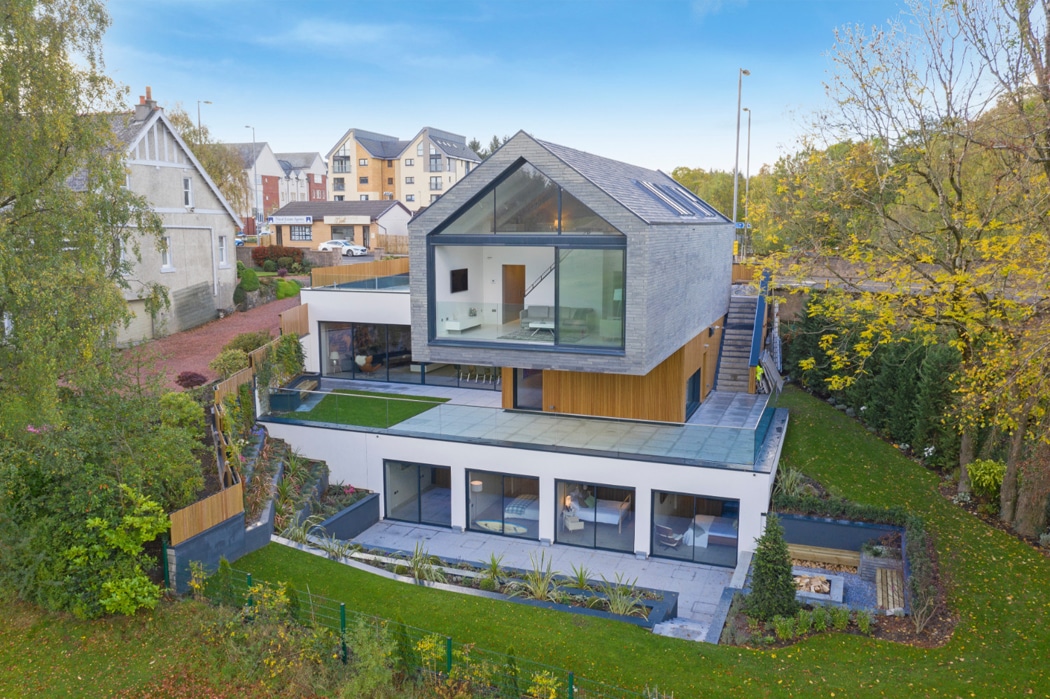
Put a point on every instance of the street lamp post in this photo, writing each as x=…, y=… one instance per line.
x=255, y=180
x=736, y=164
x=747, y=186
x=199, y=103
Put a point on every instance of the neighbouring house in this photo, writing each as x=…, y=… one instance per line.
x=197, y=263
x=366, y=166
x=265, y=173
x=305, y=177
x=579, y=313
x=307, y=224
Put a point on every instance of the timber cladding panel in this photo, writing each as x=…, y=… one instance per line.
x=658, y=395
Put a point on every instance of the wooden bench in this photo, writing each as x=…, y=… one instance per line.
x=818, y=554
x=889, y=589
x=305, y=387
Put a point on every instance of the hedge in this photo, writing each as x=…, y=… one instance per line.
x=274, y=252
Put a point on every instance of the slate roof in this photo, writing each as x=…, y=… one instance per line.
x=296, y=161
x=653, y=196
x=452, y=144
x=319, y=209
x=246, y=152
x=384, y=150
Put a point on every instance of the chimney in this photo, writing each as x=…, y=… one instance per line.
x=146, y=106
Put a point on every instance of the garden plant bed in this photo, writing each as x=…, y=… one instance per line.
x=619, y=599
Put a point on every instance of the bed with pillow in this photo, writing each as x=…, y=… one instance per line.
x=708, y=529
x=522, y=507
x=615, y=512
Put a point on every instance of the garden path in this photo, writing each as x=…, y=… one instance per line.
x=192, y=350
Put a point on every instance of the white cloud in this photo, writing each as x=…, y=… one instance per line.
x=705, y=8
x=318, y=32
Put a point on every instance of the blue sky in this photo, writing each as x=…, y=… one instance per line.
x=652, y=83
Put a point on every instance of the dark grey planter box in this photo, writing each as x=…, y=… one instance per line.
x=353, y=520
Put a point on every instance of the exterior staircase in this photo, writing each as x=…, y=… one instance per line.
x=734, y=360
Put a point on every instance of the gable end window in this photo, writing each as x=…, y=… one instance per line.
x=187, y=191
x=363, y=162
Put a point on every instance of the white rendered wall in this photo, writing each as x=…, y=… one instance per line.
x=347, y=306
x=357, y=458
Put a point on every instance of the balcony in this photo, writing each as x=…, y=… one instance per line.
x=732, y=431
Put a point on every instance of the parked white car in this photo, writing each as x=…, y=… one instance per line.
x=356, y=250
x=340, y=245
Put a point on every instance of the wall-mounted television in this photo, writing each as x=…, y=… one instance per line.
x=459, y=280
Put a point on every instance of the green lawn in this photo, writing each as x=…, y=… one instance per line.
x=368, y=409
x=1001, y=592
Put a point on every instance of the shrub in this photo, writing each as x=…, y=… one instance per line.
x=986, y=477
x=296, y=268
x=840, y=618
x=229, y=362
x=247, y=342
x=180, y=411
x=821, y=619
x=784, y=627
x=865, y=620
x=269, y=266
x=240, y=268
x=804, y=621
x=250, y=280
x=275, y=253
x=285, y=262
x=282, y=272
x=239, y=295
x=772, y=585
x=287, y=288
x=190, y=379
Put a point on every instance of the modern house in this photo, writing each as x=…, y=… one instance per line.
x=197, y=264
x=369, y=166
x=589, y=298
x=305, y=177
x=307, y=224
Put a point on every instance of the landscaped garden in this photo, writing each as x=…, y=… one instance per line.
x=366, y=409
x=998, y=591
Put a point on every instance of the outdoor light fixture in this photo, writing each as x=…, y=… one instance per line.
x=747, y=186
x=736, y=165
x=199, y=103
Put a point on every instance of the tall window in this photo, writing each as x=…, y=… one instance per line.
x=435, y=183
x=503, y=504
x=594, y=515
x=341, y=164
x=338, y=184
x=419, y=148
x=187, y=191
x=167, y=259
x=695, y=528
x=451, y=165
x=222, y=250
x=435, y=163
x=301, y=232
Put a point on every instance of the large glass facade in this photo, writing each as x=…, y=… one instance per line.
x=418, y=492
x=498, y=503
x=594, y=516
x=368, y=351
x=695, y=528
x=590, y=301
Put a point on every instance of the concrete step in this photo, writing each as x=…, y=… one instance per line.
x=682, y=628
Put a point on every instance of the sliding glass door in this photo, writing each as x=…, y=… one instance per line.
x=419, y=493
x=594, y=516
x=695, y=528
x=503, y=504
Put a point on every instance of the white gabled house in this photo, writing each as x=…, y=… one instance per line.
x=198, y=265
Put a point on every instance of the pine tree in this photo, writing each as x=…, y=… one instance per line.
x=772, y=586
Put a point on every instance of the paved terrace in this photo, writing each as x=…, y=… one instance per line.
x=721, y=434
x=699, y=586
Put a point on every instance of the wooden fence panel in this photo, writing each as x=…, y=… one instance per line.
x=743, y=274
x=392, y=244
x=229, y=386
x=206, y=513
x=345, y=274
x=296, y=320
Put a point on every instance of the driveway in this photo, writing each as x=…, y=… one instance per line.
x=193, y=350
